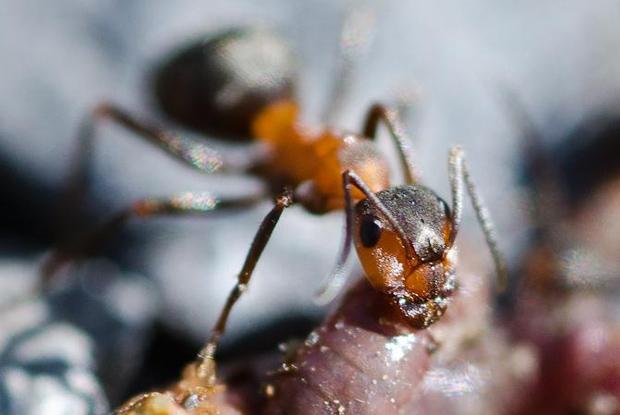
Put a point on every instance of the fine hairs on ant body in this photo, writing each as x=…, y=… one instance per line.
x=241, y=82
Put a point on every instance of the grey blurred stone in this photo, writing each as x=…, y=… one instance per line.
x=46, y=366
x=54, y=352
x=38, y=377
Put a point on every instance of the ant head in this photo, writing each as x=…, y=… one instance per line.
x=410, y=260
x=218, y=86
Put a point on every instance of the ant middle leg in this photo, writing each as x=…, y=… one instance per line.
x=390, y=118
x=190, y=152
x=206, y=363
x=196, y=203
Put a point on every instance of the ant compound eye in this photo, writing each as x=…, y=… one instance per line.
x=444, y=206
x=370, y=231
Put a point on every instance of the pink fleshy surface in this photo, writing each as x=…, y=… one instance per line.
x=577, y=337
x=363, y=360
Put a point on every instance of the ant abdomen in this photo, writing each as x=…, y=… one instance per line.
x=218, y=86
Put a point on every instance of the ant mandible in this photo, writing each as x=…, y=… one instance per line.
x=240, y=82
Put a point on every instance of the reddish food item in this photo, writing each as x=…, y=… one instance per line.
x=366, y=360
x=577, y=339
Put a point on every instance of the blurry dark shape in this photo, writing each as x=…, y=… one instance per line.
x=565, y=301
x=218, y=85
x=590, y=156
x=24, y=211
x=562, y=183
x=165, y=353
x=578, y=165
x=575, y=336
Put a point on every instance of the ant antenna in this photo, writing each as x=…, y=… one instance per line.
x=337, y=277
x=355, y=36
x=459, y=174
x=392, y=122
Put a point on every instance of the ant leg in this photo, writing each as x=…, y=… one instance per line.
x=181, y=204
x=355, y=36
x=390, y=118
x=337, y=277
x=190, y=152
x=206, y=365
x=459, y=178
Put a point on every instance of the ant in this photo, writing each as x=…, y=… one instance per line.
x=241, y=82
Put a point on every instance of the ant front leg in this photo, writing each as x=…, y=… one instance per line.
x=206, y=364
x=181, y=204
x=390, y=118
x=337, y=278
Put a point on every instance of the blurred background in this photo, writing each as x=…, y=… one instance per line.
x=161, y=282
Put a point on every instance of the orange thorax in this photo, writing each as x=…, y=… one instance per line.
x=300, y=155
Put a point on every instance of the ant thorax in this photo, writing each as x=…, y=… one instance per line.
x=314, y=160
